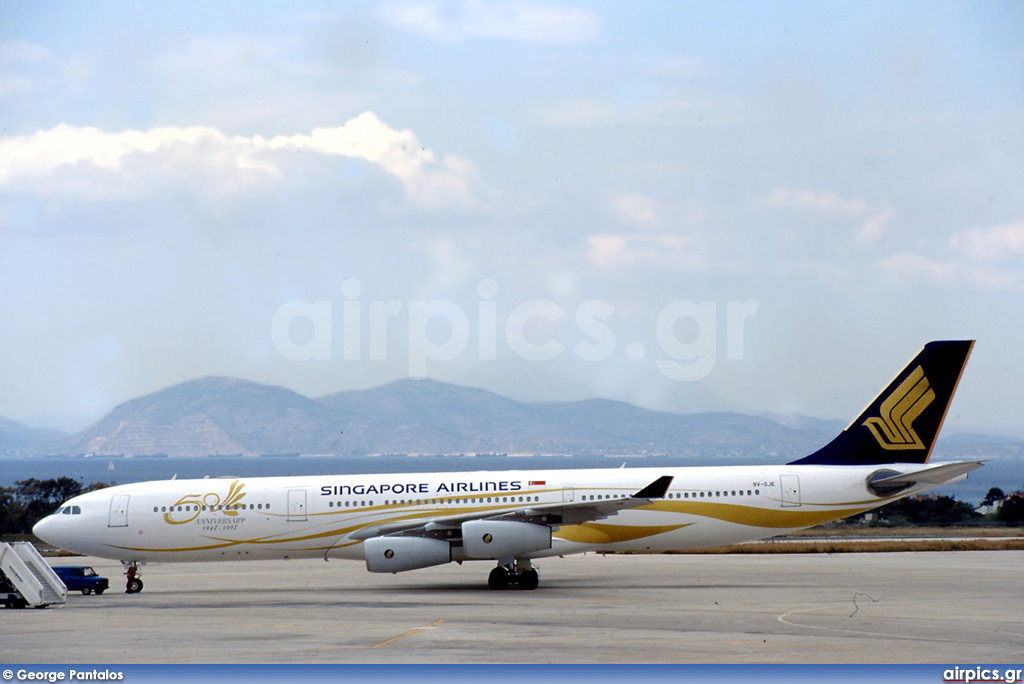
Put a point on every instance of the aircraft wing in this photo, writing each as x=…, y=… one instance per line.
x=553, y=514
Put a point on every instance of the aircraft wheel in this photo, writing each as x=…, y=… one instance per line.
x=529, y=579
x=134, y=586
x=498, y=579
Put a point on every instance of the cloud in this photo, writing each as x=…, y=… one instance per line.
x=830, y=204
x=978, y=262
x=634, y=208
x=674, y=110
x=997, y=243
x=909, y=266
x=22, y=52
x=90, y=163
x=823, y=201
x=454, y=22
x=627, y=250
x=23, y=66
x=875, y=226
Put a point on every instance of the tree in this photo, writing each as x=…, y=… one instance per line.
x=994, y=494
x=9, y=510
x=31, y=500
x=937, y=510
x=39, y=498
x=1012, y=510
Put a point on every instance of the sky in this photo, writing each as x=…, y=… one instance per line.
x=762, y=207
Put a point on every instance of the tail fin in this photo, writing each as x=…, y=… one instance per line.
x=901, y=424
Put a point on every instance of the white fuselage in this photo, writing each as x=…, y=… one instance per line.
x=328, y=516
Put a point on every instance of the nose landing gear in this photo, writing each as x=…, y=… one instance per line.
x=134, y=584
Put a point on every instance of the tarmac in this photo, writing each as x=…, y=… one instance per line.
x=940, y=607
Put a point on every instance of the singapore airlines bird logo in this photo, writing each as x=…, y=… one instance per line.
x=894, y=429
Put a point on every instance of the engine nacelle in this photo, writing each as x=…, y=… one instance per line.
x=398, y=554
x=503, y=538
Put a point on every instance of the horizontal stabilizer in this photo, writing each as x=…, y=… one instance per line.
x=887, y=482
x=938, y=475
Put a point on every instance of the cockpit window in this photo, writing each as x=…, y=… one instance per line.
x=76, y=510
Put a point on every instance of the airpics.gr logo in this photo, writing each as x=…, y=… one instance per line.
x=894, y=429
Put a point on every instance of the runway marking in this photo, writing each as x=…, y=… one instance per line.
x=409, y=633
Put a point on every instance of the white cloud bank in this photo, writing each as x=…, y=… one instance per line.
x=90, y=163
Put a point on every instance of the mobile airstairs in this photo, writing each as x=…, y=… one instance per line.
x=32, y=582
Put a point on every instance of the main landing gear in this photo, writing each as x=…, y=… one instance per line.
x=134, y=584
x=520, y=575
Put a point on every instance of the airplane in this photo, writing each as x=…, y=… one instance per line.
x=396, y=523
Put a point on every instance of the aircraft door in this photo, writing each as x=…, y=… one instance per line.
x=296, y=505
x=568, y=493
x=790, y=489
x=118, y=511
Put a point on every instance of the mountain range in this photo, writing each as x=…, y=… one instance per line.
x=229, y=416
x=218, y=415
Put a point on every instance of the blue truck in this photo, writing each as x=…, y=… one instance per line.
x=82, y=578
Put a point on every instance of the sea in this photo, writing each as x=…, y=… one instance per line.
x=122, y=470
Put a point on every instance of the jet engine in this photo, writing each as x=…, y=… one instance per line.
x=398, y=554
x=503, y=538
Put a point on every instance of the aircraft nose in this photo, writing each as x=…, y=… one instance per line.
x=47, y=530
